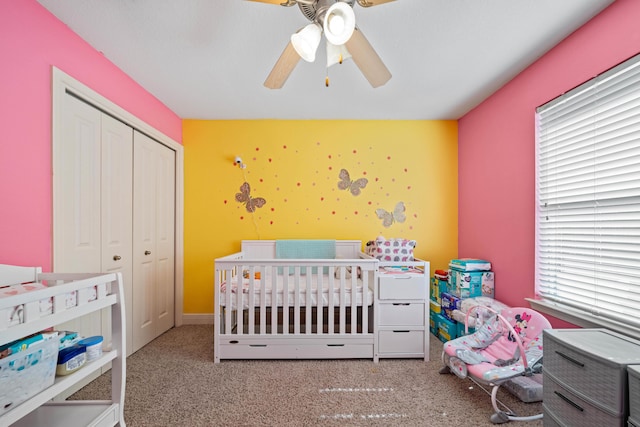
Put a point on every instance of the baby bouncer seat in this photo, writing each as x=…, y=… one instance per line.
x=506, y=345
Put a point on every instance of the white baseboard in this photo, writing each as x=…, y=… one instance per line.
x=197, y=319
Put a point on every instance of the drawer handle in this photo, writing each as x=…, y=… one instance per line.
x=401, y=303
x=569, y=401
x=570, y=359
x=335, y=345
x=401, y=332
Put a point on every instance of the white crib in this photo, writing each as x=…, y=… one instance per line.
x=269, y=308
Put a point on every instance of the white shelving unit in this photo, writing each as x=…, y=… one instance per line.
x=402, y=311
x=40, y=410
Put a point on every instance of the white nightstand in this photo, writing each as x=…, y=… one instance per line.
x=402, y=311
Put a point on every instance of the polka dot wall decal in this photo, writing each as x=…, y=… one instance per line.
x=225, y=202
x=388, y=157
x=377, y=179
x=261, y=180
x=333, y=212
x=406, y=170
x=408, y=187
x=273, y=209
x=270, y=222
x=322, y=199
x=257, y=148
x=284, y=147
x=355, y=212
x=298, y=184
x=241, y=217
x=355, y=151
x=329, y=156
x=269, y=159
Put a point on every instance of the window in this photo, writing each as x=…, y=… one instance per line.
x=588, y=198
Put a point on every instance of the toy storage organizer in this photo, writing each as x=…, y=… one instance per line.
x=26, y=394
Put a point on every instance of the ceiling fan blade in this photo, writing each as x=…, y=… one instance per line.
x=283, y=68
x=369, y=3
x=280, y=2
x=367, y=59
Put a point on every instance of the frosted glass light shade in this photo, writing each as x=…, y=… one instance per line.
x=306, y=41
x=339, y=23
x=336, y=54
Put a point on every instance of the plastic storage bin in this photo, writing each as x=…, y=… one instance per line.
x=26, y=373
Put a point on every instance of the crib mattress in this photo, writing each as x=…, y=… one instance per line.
x=308, y=295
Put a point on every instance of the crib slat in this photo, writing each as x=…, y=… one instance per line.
x=274, y=309
x=296, y=308
x=365, y=301
x=239, y=304
x=354, y=302
x=227, y=298
x=308, y=305
x=342, y=304
x=285, y=306
x=251, y=302
x=330, y=292
x=319, y=300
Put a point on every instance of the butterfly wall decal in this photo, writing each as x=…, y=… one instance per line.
x=251, y=203
x=353, y=186
x=389, y=218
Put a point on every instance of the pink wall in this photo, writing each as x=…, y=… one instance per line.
x=31, y=41
x=497, y=148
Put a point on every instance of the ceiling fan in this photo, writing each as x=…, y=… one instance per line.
x=336, y=19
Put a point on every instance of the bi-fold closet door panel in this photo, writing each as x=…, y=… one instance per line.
x=92, y=195
x=154, y=239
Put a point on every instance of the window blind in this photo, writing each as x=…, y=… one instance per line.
x=588, y=196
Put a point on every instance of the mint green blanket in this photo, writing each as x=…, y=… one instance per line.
x=305, y=249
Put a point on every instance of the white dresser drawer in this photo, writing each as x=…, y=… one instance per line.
x=408, y=314
x=401, y=341
x=402, y=286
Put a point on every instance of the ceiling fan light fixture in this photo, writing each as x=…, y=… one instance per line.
x=336, y=54
x=306, y=41
x=338, y=23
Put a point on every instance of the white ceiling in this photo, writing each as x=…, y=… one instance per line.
x=208, y=59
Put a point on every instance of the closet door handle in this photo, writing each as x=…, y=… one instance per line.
x=117, y=257
x=147, y=252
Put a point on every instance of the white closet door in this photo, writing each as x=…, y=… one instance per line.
x=117, y=207
x=76, y=190
x=93, y=187
x=165, y=238
x=76, y=195
x=153, y=239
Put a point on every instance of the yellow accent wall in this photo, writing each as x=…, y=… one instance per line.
x=293, y=169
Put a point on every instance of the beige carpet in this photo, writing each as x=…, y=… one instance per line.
x=174, y=382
